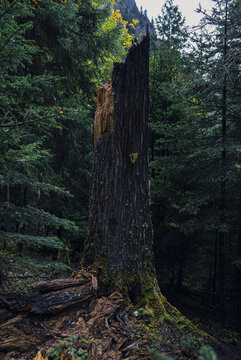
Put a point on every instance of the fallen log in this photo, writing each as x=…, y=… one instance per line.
x=20, y=342
x=54, y=285
x=54, y=304
x=75, y=320
x=44, y=304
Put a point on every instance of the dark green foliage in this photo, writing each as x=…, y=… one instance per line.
x=216, y=200
x=52, y=58
x=25, y=124
x=173, y=126
x=73, y=44
x=72, y=347
x=195, y=153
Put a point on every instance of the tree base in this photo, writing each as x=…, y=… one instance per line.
x=143, y=295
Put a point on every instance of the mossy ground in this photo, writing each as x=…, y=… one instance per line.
x=21, y=271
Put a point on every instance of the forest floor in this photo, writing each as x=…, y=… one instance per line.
x=70, y=319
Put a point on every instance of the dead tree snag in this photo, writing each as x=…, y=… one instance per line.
x=120, y=229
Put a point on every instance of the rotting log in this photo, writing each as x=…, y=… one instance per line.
x=51, y=296
x=103, y=321
x=54, y=285
x=26, y=333
x=45, y=304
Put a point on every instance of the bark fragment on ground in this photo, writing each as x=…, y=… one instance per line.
x=30, y=325
x=98, y=326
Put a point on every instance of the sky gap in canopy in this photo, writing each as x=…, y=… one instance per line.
x=187, y=7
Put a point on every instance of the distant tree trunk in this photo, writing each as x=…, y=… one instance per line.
x=215, y=255
x=221, y=289
x=120, y=229
x=237, y=288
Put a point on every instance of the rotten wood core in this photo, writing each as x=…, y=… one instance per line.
x=104, y=115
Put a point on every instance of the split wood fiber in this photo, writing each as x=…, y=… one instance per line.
x=105, y=111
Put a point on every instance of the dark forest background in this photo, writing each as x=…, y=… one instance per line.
x=53, y=56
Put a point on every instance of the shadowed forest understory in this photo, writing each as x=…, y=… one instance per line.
x=103, y=237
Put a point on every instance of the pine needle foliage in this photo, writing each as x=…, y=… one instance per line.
x=53, y=55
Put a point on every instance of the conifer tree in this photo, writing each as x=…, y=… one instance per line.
x=25, y=124
x=171, y=118
x=220, y=49
x=49, y=70
x=170, y=26
x=201, y=186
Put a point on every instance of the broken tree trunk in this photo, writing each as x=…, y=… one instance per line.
x=120, y=234
x=120, y=229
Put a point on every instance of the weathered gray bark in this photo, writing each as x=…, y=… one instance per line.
x=120, y=229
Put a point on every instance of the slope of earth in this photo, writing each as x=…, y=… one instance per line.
x=70, y=319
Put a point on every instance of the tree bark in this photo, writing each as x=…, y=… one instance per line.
x=120, y=229
x=223, y=206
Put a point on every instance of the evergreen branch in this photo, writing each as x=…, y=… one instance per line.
x=38, y=242
x=26, y=213
x=14, y=177
x=8, y=125
x=9, y=8
x=14, y=34
x=92, y=36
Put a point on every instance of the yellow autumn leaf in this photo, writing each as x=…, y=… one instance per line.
x=132, y=25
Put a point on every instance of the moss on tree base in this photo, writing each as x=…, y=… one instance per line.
x=143, y=295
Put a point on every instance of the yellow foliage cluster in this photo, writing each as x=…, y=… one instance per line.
x=114, y=20
x=135, y=21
